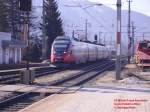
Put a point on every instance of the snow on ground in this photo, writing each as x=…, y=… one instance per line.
x=108, y=78
x=133, y=80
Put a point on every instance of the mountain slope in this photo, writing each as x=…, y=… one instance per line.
x=101, y=21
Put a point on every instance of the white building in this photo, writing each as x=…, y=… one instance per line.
x=10, y=49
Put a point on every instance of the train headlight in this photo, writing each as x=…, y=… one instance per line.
x=65, y=52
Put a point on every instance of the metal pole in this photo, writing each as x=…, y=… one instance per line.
x=129, y=37
x=118, y=61
x=100, y=37
x=104, y=40
x=44, y=35
x=133, y=46
x=110, y=40
x=12, y=19
x=86, y=22
x=73, y=34
x=143, y=36
x=28, y=37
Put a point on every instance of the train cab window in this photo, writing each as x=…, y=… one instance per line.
x=61, y=45
x=62, y=39
x=143, y=46
x=148, y=45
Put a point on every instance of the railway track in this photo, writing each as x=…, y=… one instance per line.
x=18, y=101
x=84, y=76
x=21, y=66
x=14, y=76
x=22, y=100
x=63, y=75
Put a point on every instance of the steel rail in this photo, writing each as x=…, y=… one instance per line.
x=76, y=75
x=14, y=76
x=81, y=78
x=18, y=96
x=11, y=101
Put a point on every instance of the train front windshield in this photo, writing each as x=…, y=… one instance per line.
x=144, y=46
x=61, y=46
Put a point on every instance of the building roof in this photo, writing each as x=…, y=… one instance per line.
x=5, y=36
x=13, y=44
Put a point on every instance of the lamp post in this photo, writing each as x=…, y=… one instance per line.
x=118, y=36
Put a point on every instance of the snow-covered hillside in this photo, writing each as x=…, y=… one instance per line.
x=75, y=14
x=101, y=20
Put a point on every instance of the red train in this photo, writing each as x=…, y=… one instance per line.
x=70, y=50
x=143, y=53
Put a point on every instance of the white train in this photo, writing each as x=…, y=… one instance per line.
x=70, y=50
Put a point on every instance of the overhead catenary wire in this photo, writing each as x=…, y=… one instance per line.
x=96, y=20
x=104, y=20
x=90, y=15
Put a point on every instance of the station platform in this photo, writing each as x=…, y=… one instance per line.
x=92, y=102
x=56, y=89
x=86, y=99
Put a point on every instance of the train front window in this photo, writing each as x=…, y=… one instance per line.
x=61, y=46
x=148, y=45
x=143, y=45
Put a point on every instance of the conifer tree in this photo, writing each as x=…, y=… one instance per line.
x=10, y=16
x=4, y=20
x=53, y=22
x=12, y=20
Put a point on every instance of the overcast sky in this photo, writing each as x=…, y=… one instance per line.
x=142, y=6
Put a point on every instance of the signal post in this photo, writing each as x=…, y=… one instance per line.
x=28, y=75
x=25, y=6
x=118, y=43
